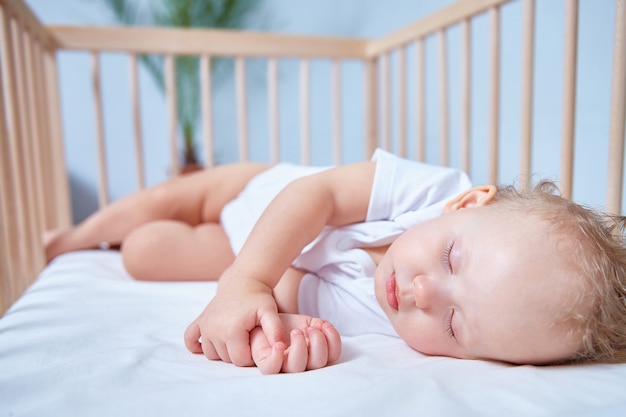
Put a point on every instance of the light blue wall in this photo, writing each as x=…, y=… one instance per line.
x=360, y=18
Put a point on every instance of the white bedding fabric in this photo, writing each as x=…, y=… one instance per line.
x=87, y=340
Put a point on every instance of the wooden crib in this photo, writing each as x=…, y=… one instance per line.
x=34, y=183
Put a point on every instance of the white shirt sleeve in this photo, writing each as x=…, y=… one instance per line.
x=410, y=191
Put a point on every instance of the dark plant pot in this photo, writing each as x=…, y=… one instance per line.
x=190, y=168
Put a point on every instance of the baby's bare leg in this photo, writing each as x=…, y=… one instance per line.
x=192, y=199
x=169, y=250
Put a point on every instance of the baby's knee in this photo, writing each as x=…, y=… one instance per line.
x=145, y=247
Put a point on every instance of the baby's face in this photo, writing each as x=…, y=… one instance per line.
x=478, y=284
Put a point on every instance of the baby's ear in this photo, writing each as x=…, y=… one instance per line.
x=475, y=197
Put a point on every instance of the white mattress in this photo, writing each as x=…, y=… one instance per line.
x=87, y=340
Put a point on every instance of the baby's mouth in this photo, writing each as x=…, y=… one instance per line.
x=391, y=290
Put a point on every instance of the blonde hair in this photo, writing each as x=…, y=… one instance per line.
x=599, y=257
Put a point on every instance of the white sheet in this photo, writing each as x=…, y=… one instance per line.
x=87, y=340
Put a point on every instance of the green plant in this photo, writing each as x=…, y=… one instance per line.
x=230, y=14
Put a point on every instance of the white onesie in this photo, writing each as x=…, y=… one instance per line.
x=340, y=284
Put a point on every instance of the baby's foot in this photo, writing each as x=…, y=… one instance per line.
x=49, y=239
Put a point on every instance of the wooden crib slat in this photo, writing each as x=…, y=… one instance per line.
x=617, y=128
x=402, y=100
x=25, y=100
x=138, y=135
x=14, y=134
x=207, y=112
x=569, y=97
x=103, y=182
x=34, y=155
x=526, y=124
x=242, y=108
x=172, y=110
x=48, y=193
x=443, y=99
x=272, y=97
x=23, y=147
x=12, y=267
x=385, y=99
x=466, y=78
x=52, y=103
x=336, y=111
x=305, y=129
x=420, y=117
x=494, y=97
x=10, y=255
x=371, y=107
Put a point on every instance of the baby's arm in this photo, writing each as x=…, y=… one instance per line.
x=314, y=344
x=336, y=197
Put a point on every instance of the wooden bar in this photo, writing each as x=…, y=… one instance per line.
x=53, y=106
x=24, y=152
x=402, y=100
x=15, y=165
x=371, y=107
x=569, y=97
x=34, y=155
x=138, y=135
x=527, y=94
x=272, y=96
x=494, y=100
x=430, y=24
x=10, y=256
x=385, y=100
x=305, y=129
x=466, y=91
x=34, y=252
x=172, y=111
x=443, y=99
x=36, y=123
x=207, y=110
x=336, y=111
x=617, y=128
x=45, y=143
x=242, y=108
x=177, y=41
x=103, y=186
x=420, y=117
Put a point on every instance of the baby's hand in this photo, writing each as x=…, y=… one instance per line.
x=225, y=323
x=314, y=344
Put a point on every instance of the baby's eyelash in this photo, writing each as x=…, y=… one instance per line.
x=449, y=328
x=446, y=256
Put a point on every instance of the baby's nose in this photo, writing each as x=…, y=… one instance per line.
x=425, y=292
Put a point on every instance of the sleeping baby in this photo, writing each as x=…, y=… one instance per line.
x=392, y=246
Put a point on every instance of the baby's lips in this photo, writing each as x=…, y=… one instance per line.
x=391, y=290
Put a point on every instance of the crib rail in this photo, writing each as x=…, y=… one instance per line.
x=33, y=183
x=204, y=41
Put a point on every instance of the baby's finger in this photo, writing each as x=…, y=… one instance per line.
x=318, y=349
x=209, y=350
x=238, y=350
x=272, y=363
x=333, y=341
x=192, y=337
x=273, y=328
x=297, y=355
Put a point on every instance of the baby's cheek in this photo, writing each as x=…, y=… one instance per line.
x=424, y=339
